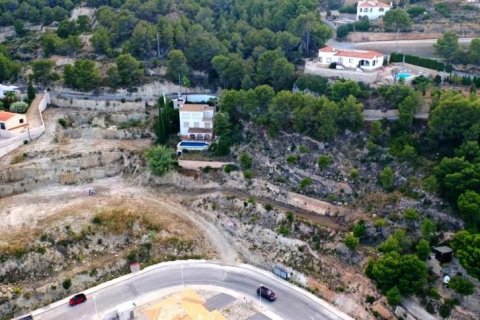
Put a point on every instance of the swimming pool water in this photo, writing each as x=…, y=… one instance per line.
x=193, y=144
x=403, y=75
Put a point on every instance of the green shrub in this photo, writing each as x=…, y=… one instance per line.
x=306, y=182
x=445, y=311
x=386, y=179
x=416, y=11
x=394, y=297
x=284, y=230
x=19, y=107
x=159, y=159
x=461, y=286
x=303, y=149
x=291, y=159
x=354, y=174
x=67, y=283
x=62, y=122
x=351, y=241
x=443, y=9
x=290, y=216
x=245, y=161
x=248, y=174
x=324, y=161
x=230, y=167
x=411, y=214
x=268, y=207
x=359, y=230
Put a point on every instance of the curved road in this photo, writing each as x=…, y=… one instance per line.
x=292, y=302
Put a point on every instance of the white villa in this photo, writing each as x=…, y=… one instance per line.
x=351, y=59
x=372, y=9
x=12, y=123
x=196, y=121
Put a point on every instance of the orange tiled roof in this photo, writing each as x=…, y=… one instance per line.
x=196, y=107
x=373, y=4
x=359, y=54
x=352, y=53
x=4, y=116
x=327, y=49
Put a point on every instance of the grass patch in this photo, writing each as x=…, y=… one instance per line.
x=119, y=220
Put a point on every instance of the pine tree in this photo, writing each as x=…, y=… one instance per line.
x=30, y=91
x=160, y=126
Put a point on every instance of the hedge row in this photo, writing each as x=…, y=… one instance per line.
x=422, y=62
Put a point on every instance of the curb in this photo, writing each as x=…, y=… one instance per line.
x=199, y=263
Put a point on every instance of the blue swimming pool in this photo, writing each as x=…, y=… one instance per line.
x=193, y=144
x=403, y=75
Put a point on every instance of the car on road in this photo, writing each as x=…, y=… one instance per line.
x=77, y=299
x=266, y=293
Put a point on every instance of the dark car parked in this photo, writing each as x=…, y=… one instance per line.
x=266, y=293
x=77, y=299
x=29, y=317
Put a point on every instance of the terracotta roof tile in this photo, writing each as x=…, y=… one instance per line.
x=373, y=4
x=4, y=116
x=327, y=49
x=359, y=54
x=196, y=107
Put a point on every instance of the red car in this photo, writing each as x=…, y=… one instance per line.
x=77, y=299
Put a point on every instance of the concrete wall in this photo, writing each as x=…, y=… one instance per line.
x=100, y=105
x=8, y=145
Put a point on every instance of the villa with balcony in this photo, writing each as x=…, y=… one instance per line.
x=196, y=122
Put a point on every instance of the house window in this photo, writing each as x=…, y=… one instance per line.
x=374, y=62
x=381, y=9
x=360, y=9
x=320, y=59
x=2, y=125
x=208, y=125
x=350, y=60
x=185, y=124
x=196, y=125
x=329, y=60
x=21, y=120
x=371, y=9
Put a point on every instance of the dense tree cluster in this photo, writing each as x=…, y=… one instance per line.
x=449, y=48
x=34, y=11
x=232, y=31
x=467, y=249
x=8, y=68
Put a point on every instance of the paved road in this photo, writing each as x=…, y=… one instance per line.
x=292, y=302
x=422, y=48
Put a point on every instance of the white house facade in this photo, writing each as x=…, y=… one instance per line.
x=351, y=59
x=12, y=123
x=196, y=121
x=372, y=9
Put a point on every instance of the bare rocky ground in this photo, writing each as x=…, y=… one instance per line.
x=53, y=231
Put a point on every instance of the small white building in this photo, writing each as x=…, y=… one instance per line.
x=12, y=123
x=351, y=59
x=4, y=89
x=196, y=122
x=372, y=9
